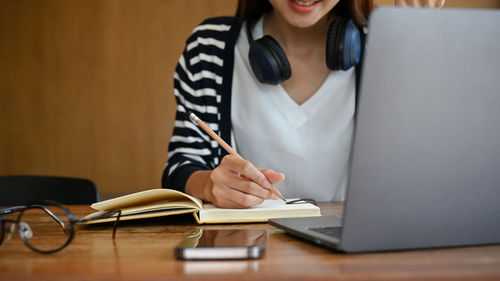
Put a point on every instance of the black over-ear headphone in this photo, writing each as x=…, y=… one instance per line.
x=270, y=64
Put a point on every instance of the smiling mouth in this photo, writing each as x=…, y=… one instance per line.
x=305, y=4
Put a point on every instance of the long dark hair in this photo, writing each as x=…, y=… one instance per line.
x=358, y=10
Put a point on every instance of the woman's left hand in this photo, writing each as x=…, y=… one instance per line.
x=420, y=3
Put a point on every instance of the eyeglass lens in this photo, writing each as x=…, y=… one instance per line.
x=41, y=229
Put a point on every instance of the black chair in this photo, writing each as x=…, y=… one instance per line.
x=22, y=190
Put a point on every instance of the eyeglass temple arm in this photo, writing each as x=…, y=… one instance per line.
x=107, y=214
x=66, y=228
x=115, y=226
x=12, y=210
x=303, y=200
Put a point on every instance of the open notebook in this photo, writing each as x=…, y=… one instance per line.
x=167, y=202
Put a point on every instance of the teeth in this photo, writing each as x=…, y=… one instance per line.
x=305, y=4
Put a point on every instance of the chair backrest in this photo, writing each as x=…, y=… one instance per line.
x=21, y=190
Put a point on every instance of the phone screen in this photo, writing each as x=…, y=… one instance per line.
x=223, y=244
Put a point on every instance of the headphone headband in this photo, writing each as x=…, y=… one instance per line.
x=270, y=64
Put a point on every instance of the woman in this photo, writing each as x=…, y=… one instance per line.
x=301, y=127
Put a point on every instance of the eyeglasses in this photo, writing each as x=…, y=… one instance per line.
x=44, y=228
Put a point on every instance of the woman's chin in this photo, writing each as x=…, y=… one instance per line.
x=303, y=21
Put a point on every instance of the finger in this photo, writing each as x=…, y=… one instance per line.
x=272, y=176
x=405, y=3
x=241, y=184
x=226, y=204
x=413, y=3
x=246, y=169
x=236, y=198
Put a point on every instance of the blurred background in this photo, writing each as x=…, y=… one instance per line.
x=86, y=87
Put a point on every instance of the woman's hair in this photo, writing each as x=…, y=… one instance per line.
x=358, y=10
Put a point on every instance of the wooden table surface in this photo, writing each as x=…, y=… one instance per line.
x=145, y=251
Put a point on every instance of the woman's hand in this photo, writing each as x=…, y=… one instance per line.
x=421, y=3
x=237, y=183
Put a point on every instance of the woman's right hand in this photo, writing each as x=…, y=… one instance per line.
x=237, y=183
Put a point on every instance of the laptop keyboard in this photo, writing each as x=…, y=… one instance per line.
x=333, y=231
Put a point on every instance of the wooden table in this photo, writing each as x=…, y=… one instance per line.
x=144, y=251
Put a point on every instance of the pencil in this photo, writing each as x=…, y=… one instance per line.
x=226, y=146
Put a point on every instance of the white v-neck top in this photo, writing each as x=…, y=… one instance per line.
x=310, y=143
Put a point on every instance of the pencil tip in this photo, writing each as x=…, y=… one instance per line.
x=277, y=192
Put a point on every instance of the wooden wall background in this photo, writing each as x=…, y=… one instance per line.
x=86, y=86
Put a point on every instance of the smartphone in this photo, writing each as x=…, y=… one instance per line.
x=223, y=244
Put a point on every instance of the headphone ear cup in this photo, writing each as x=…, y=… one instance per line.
x=333, y=60
x=268, y=61
x=352, y=45
x=343, y=45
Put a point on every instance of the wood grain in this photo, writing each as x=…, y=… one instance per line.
x=144, y=251
x=86, y=87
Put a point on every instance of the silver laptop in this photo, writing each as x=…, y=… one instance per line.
x=425, y=165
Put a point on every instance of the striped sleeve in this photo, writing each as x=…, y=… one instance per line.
x=198, y=84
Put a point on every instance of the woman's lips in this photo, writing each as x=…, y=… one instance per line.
x=303, y=6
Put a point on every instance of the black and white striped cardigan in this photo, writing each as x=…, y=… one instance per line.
x=202, y=85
